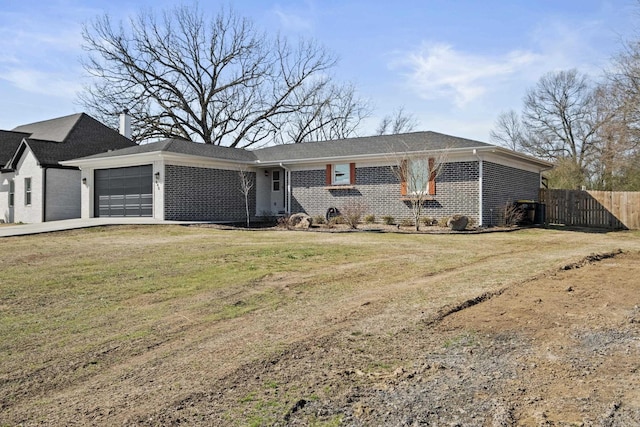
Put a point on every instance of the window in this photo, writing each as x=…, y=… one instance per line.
x=275, y=180
x=341, y=174
x=12, y=193
x=27, y=191
x=418, y=177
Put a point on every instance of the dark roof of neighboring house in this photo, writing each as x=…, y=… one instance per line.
x=9, y=143
x=400, y=143
x=51, y=130
x=181, y=146
x=64, y=138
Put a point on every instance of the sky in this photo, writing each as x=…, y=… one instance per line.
x=455, y=65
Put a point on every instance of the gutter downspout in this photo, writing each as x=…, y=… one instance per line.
x=288, y=193
x=480, y=185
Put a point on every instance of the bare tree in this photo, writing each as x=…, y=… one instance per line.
x=615, y=138
x=624, y=79
x=218, y=80
x=509, y=131
x=333, y=112
x=398, y=122
x=620, y=98
x=247, y=181
x=559, y=122
x=417, y=174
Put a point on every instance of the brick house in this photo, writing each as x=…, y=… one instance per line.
x=34, y=185
x=181, y=180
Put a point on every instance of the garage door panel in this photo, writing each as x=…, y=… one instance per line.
x=146, y=183
x=124, y=191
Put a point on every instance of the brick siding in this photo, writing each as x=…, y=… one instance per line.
x=378, y=189
x=502, y=184
x=202, y=194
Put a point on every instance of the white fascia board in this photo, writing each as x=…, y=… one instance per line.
x=499, y=154
x=514, y=159
x=207, y=162
x=150, y=157
x=393, y=156
x=15, y=159
x=115, y=161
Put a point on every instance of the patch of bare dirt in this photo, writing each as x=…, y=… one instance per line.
x=560, y=350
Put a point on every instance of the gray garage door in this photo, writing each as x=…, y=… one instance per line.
x=124, y=191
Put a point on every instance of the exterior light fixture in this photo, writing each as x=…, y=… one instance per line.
x=157, y=175
x=84, y=181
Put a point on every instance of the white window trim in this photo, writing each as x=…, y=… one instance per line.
x=12, y=193
x=28, y=191
x=273, y=181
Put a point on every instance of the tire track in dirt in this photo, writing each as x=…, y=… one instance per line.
x=312, y=349
x=219, y=351
x=226, y=340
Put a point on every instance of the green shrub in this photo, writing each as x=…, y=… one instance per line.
x=388, y=220
x=370, y=219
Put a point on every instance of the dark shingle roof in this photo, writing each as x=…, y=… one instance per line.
x=364, y=146
x=371, y=145
x=66, y=138
x=180, y=146
x=9, y=143
x=51, y=130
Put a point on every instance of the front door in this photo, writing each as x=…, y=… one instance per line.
x=277, y=191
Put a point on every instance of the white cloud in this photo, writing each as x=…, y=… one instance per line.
x=298, y=18
x=40, y=55
x=458, y=77
x=42, y=82
x=578, y=45
x=437, y=70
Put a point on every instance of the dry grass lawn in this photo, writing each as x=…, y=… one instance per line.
x=115, y=325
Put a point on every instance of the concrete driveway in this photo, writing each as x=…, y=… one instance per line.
x=70, y=224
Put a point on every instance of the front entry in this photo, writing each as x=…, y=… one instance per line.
x=124, y=192
x=277, y=191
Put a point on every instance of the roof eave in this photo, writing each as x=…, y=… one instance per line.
x=90, y=160
x=375, y=156
x=151, y=156
x=13, y=162
x=542, y=164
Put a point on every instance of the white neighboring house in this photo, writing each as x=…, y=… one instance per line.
x=34, y=186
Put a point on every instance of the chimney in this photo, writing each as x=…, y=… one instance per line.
x=125, y=124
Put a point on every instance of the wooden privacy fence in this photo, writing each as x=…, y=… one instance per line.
x=598, y=209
